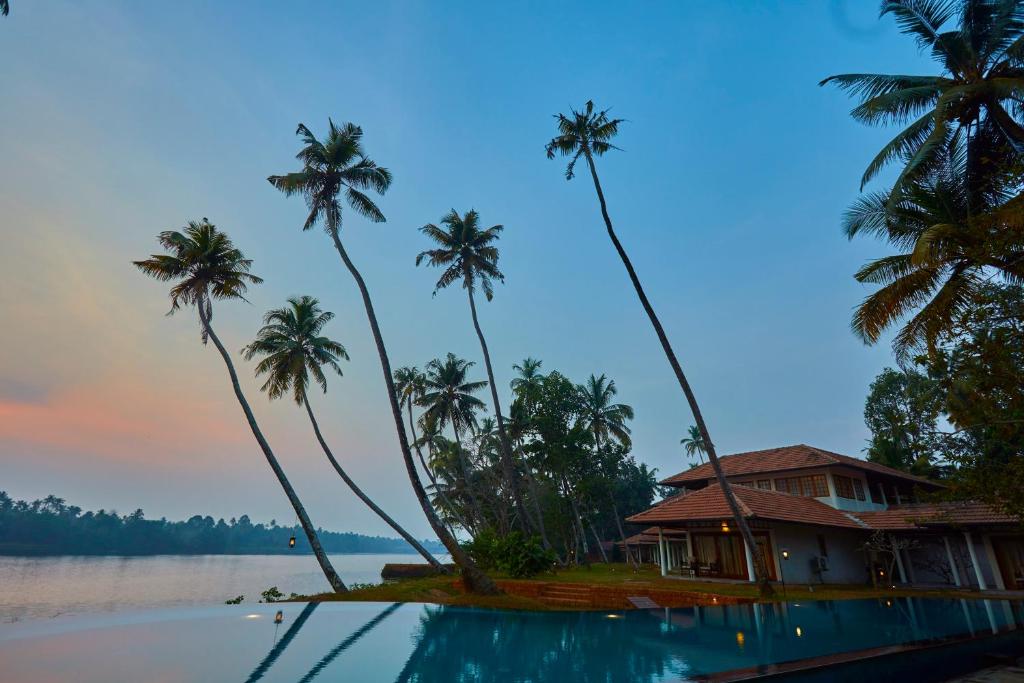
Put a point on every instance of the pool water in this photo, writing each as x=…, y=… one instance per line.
x=415, y=642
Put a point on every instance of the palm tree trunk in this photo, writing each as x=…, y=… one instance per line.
x=622, y=533
x=524, y=522
x=597, y=539
x=759, y=564
x=363, y=497
x=479, y=521
x=476, y=580
x=430, y=473
x=307, y=526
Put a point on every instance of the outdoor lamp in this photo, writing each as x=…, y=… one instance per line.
x=291, y=542
x=785, y=554
x=279, y=617
x=799, y=632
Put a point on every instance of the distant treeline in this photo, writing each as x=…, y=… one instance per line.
x=52, y=527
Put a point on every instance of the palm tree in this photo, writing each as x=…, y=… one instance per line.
x=587, y=134
x=448, y=400
x=410, y=384
x=205, y=265
x=976, y=97
x=336, y=165
x=950, y=244
x=468, y=255
x=694, y=444
x=529, y=375
x=291, y=348
x=5, y=8
x=606, y=420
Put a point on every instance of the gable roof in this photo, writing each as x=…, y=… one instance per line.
x=800, y=456
x=708, y=504
x=935, y=514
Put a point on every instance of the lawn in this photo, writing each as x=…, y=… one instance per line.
x=446, y=589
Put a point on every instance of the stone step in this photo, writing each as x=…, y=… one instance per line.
x=567, y=602
x=565, y=594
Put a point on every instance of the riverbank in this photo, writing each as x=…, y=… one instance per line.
x=609, y=587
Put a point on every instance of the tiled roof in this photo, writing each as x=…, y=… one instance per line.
x=708, y=504
x=781, y=459
x=934, y=514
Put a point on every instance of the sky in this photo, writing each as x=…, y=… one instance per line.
x=121, y=119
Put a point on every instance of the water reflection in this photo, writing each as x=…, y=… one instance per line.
x=413, y=643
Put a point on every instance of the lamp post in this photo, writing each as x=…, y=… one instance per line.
x=782, y=571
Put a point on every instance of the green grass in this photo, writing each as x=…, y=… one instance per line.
x=442, y=589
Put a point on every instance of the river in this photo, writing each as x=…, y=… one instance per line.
x=54, y=587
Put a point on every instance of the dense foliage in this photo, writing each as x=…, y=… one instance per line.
x=52, y=527
x=958, y=413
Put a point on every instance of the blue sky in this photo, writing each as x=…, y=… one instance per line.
x=122, y=119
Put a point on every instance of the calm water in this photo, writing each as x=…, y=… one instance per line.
x=411, y=642
x=45, y=587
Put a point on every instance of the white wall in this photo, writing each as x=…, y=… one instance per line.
x=846, y=563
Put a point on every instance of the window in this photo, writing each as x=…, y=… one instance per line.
x=744, y=483
x=811, y=486
x=765, y=484
x=848, y=488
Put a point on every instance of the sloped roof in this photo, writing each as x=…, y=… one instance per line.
x=800, y=456
x=934, y=514
x=708, y=504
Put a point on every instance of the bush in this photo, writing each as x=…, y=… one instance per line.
x=272, y=594
x=517, y=555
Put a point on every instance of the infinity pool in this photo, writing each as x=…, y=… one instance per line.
x=414, y=642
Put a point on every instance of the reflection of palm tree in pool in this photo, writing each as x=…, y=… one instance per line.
x=280, y=646
x=490, y=646
x=347, y=643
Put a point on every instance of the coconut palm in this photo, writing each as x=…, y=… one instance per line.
x=448, y=401
x=291, y=348
x=338, y=165
x=976, y=97
x=950, y=244
x=587, y=134
x=205, y=265
x=529, y=375
x=693, y=443
x=602, y=418
x=410, y=386
x=468, y=255
x=5, y=8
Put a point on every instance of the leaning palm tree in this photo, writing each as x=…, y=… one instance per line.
x=586, y=134
x=693, y=443
x=205, y=265
x=291, y=348
x=468, y=255
x=339, y=165
x=448, y=400
x=976, y=97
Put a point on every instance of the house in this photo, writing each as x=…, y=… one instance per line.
x=823, y=517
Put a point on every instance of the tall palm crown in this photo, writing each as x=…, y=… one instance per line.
x=205, y=265
x=5, y=8
x=603, y=418
x=949, y=243
x=292, y=348
x=409, y=384
x=694, y=443
x=466, y=252
x=529, y=375
x=583, y=133
x=977, y=96
x=330, y=167
x=448, y=398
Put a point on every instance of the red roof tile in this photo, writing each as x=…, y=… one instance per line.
x=781, y=459
x=708, y=504
x=934, y=514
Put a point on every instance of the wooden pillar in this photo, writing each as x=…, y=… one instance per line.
x=974, y=561
x=952, y=562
